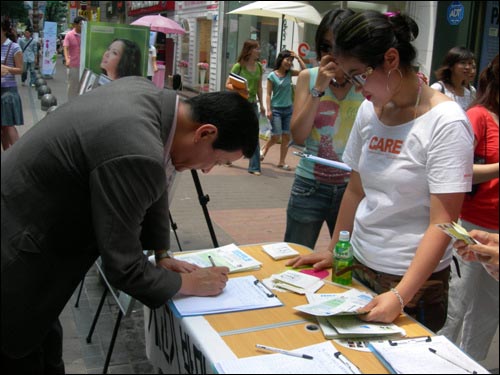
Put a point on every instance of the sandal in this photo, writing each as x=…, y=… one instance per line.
x=285, y=167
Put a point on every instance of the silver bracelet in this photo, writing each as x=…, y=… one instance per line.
x=400, y=299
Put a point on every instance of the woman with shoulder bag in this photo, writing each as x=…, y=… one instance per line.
x=12, y=64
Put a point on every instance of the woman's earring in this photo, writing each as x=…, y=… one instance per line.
x=389, y=77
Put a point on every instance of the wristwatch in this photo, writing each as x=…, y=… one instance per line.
x=315, y=93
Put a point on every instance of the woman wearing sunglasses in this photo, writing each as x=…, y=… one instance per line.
x=324, y=110
x=410, y=151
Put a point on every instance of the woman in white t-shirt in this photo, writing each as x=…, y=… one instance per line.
x=410, y=151
x=454, y=76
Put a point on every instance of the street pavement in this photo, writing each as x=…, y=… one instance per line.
x=242, y=208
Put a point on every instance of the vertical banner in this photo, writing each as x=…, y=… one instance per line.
x=49, y=48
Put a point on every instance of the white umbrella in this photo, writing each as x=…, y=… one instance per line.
x=159, y=23
x=295, y=11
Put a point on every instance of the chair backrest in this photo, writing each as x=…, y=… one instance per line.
x=177, y=82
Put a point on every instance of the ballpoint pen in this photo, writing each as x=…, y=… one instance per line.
x=283, y=351
x=450, y=361
x=347, y=364
x=211, y=260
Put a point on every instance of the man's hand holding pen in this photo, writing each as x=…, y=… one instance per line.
x=209, y=281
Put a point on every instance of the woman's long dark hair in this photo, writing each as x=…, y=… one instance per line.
x=130, y=62
x=487, y=89
x=367, y=35
x=454, y=56
x=10, y=33
x=281, y=56
x=330, y=22
x=246, y=51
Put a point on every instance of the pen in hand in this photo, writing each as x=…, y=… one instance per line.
x=450, y=361
x=283, y=351
x=211, y=260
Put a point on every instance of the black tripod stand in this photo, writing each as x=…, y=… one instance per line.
x=204, y=199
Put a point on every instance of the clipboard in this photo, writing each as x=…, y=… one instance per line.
x=327, y=162
x=436, y=355
x=241, y=293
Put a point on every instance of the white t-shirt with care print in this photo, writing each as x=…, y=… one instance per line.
x=400, y=166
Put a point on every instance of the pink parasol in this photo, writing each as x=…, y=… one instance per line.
x=159, y=23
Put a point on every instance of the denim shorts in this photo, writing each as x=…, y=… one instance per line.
x=311, y=203
x=280, y=123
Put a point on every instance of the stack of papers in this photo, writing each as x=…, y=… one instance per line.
x=434, y=355
x=346, y=303
x=349, y=326
x=240, y=293
x=326, y=360
x=230, y=256
x=280, y=250
x=295, y=281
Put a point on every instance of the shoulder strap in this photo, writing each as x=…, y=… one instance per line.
x=7, y=54
x=442, y=86
x=27, y=44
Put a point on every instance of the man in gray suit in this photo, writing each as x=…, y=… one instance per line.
x=90, y=180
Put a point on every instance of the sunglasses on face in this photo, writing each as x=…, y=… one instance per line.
x=359, y=80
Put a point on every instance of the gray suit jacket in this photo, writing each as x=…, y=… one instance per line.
x=87, y=180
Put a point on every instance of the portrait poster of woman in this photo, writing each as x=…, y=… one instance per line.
x=98, y=36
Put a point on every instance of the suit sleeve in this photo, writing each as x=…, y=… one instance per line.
x=127, y=194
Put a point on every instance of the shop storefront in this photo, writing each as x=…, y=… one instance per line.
x=199, y=50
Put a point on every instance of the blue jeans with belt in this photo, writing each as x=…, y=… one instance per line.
x=254, y=164
x=311, y=203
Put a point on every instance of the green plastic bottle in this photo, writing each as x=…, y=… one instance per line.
x=342, y=258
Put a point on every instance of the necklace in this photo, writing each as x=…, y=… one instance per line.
x=337, y=85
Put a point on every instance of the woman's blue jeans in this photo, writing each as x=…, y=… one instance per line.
x=254, y=163
x=311, y=203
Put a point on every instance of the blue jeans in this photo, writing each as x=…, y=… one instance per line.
x=29, y=67
x=280, y=123
x=311, y=203
x=254, y=164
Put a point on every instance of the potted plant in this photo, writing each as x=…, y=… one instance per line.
x=203, y=67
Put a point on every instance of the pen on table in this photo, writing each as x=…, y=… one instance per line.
x=450, y=361
x=283, y=351
x=211, y=260
x=347, y=363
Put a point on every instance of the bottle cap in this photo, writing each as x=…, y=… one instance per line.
x=344, y=235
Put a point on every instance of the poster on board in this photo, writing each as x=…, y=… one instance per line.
x=98, y=37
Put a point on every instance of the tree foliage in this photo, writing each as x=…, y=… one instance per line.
x=56, y=10
x=14, y=10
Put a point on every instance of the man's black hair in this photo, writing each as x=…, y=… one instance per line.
x=234, y=117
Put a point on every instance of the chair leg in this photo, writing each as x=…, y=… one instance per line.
x=96, y=316
x=112, y=343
